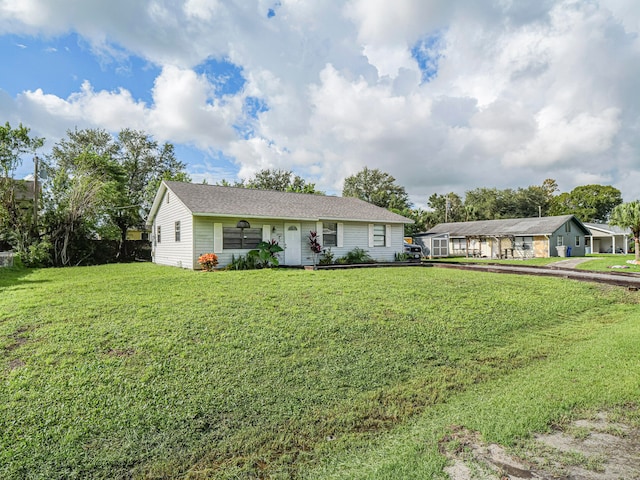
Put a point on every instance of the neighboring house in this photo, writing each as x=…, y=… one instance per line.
x=434, y=245
x=512, y=238
x=607, y=239
x=187, y=220
x=138, y=233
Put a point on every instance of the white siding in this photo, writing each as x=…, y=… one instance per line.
x=168, y=251
x=199, y=236
x=352, y=235
x=208, y=241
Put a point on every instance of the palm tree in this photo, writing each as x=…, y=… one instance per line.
x=627, y=215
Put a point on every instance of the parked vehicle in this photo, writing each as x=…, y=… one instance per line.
x=414, y=251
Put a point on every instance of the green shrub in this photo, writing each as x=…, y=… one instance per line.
x=357, y=255
x=327, y=257
x=402, y=257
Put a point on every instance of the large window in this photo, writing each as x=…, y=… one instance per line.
x=379, y=235
x=458, y=245
x=241, y=238
x=177, y=230
x=329, y=234
x=523, y=243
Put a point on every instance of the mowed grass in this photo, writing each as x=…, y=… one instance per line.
x=141, y=371
x=522, y=262
x=604, y=262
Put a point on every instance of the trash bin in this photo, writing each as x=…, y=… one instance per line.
x=562, y=250
x=568, y=251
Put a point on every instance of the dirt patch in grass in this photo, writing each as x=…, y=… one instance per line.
x=601, y=447
x=16, y=363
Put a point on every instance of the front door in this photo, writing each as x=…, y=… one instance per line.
x=292, y=244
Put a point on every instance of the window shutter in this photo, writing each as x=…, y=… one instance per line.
x=371, y=235
x=266, y=233
x=217, y=238
x=320, y=231
x=387, y=235
x=340, y=235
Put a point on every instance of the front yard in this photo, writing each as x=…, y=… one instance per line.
x=143, y=371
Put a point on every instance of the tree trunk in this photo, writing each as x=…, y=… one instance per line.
x=122, y=248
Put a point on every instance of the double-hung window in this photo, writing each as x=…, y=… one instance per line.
x=329, y=234
x=158, y=234
x=177, y=231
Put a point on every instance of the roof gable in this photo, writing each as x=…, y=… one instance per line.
x=214, y=200
x=508, y=226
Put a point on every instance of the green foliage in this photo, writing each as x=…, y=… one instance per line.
x=278, y=180
x=492, y=203
x=243, y=262
x=280, y=374
x=355, y=256
x=402, y=257
x=627, y=215
x=266, y=256
x=589, y=203
x=18, y=226
x=378, y=188
x=36, y=254
x=445, y=208
x=97, y=185
x=327, y=257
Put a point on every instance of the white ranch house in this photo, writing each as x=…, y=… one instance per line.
x=507, y=238
x=188, y=220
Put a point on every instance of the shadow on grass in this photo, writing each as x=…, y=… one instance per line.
x=12, y=276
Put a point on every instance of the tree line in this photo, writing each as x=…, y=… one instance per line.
x=92, y=186
x=95, y=186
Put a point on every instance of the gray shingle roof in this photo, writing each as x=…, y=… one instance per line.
x=244, y=202
x=504, y=227
x=608, y=228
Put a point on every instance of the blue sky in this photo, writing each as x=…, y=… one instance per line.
x=445, y=96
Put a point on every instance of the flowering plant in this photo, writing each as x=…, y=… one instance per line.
x=208, y=261
x=314, y=245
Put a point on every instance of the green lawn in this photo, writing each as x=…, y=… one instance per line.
x=143, y=371
x=529, y=261
x=603, y=262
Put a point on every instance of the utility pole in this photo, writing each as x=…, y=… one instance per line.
x=447, y=205
x=35, y=192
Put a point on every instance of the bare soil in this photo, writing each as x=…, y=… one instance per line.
x=604, y=446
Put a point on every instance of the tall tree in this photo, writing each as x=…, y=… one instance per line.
x=377, y=187
x=79, y=193
x=627, y=215
x=446, y=208
x=17, y=218
x=145, y=164
x=486, y=203
x=491, y=203
x=131, y=169
x=589, y=203
x=278, y=180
